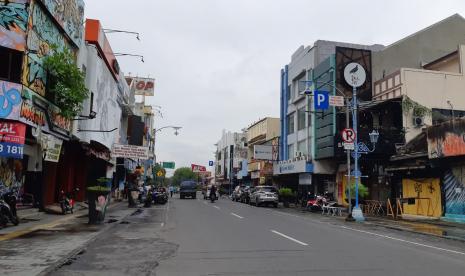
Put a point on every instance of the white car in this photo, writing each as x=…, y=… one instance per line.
x=264, y=195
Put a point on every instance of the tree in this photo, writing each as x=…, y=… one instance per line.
x=183, y=174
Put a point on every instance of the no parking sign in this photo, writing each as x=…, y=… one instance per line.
x=348, y=135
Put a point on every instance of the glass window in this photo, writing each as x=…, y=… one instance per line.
x=290, y=124
x=302, y=147
x=301, y=118
x=290, y=150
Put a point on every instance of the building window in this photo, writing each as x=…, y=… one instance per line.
x=288, y=93
x=10, y=65
x=290, y=150
x=301, y=118
x=290, y=124
x=302, y=147
x=219, y=155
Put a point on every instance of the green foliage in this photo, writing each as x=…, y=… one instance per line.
x=67, y=82
x=285, y=192
x=362, y=190
x=418, y=109
x=183, y=174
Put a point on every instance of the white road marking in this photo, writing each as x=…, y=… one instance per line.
x=216, y=207
x=405, y=241
x=237, y=216
x=162, y=224
x=289, y=238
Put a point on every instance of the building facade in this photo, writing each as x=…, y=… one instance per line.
x=262, y=142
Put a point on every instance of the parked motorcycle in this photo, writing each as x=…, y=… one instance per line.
x=316, y=203
x=149, y=198
x=67, y=201
x=8, y=209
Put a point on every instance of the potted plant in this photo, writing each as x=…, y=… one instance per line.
x=362, y=192
x=285, y=194
x=98, y=197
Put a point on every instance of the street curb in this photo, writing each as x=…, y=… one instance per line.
x=420, y=233
x=75, y=252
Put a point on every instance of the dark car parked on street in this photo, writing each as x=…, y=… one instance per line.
x=188, y=189
x=245, y=195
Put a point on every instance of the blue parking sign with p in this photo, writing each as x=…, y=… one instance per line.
x=321, y=99
x=210, y=163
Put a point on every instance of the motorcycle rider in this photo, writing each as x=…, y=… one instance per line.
x=213, y=192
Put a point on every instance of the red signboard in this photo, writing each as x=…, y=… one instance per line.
x=198, y=168
x=95, y=35
x=12, y=132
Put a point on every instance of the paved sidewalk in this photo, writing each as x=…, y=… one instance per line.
x=31, y=220
x=45, y=245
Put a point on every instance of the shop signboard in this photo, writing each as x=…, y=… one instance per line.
x=144, y=86
x=12, y=137
x=53, y=148
x=198, y=168
x=11, y=100
x=262, y=152
x=291, y=167
x=130, y=151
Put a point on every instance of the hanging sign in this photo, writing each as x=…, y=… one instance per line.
x=53, y=148
x=130, y=151
x=12, y=136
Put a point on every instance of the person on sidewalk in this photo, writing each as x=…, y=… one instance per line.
x=171, y=189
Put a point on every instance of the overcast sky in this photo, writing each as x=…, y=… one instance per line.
x=217, y=62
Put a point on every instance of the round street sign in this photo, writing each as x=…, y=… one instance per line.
x=160, y=173
x=355, y=74
x=348, y=135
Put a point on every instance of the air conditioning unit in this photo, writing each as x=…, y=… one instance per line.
x=418, y=121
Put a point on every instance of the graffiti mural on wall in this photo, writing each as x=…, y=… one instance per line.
x=10, y=100
x=13, y=23
x=426, y=194
x=70, y=15
x=42, y=35
x=447, y=139
x=454, y=190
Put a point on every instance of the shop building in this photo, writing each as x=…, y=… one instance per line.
x=33, y=29
x=262, y=143
x=231, y=151
x=307, y=136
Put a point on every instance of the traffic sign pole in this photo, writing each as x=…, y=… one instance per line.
x=355, y=76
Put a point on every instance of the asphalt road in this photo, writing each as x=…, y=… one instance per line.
x=196, y=237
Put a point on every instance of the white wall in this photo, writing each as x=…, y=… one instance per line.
x=99, y=81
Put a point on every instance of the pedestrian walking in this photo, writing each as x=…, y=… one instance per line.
x=171, y=188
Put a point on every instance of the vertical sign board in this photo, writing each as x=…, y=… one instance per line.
x=321, y=99
x=12, y=137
